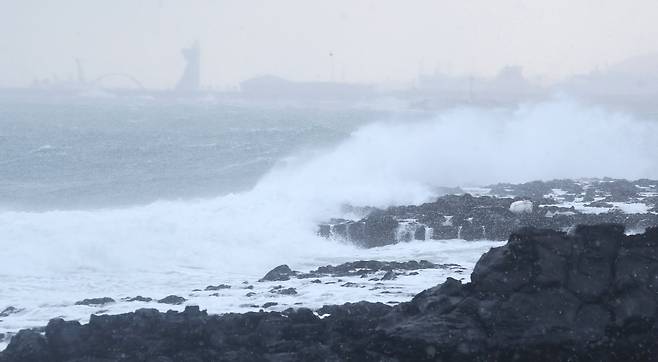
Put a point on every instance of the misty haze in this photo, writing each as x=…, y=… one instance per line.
x=327, y=181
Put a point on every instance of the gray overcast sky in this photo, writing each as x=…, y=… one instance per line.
x=372, y=40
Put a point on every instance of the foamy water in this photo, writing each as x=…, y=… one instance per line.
x=52, y=258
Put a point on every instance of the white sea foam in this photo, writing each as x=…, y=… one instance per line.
x=380, y=164
x=168, y=243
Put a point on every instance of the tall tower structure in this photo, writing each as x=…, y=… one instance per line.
x=191, y=79
x=80, y=70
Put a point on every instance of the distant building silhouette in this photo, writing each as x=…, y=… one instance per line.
x=273, y=87
x=191, y=79
x=508, y=86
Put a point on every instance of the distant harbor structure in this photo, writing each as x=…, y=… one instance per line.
x=82, y=84
x=190, y=81
x=273, y=87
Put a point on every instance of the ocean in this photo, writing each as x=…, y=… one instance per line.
x=123, y=197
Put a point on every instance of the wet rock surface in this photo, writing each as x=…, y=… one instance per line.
x=139, y=298
x=506, y=208
x=217, y=287
x=9, y=311
x=361, y=268
x=407, y=278
x=95, y=301
x=172, y=299
x=545, y=295
x=366, y=267
x=590, y=294
x=280, y=273
x=284, y=291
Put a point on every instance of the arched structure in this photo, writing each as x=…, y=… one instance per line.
x=128, y=77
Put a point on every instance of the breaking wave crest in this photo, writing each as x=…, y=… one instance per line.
x=384, y=163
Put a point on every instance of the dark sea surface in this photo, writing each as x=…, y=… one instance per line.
x=90, y=153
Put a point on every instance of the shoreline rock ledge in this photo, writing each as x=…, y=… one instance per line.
x=591, y=294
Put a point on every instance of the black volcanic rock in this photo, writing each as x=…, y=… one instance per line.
x=95, y=301
x=536, y=189
x=284, y=291
x=389, y=275
x=365, y=267
x=587, y=295
x=280, y=273
x=172, y=299
x=619, y=190
x=28, y=346
x=138, y=298
x=217, y=287
x=9, y=311
x=486, y=217
x=600, y=204
x=361, y=268
x=544, y=296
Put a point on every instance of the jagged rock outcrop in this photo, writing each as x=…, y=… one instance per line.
x=607, y=189
x=546, y=295
x=591, y=294
x=9, y=311
x=361, y=268
x=495, y=217
x=172, y=299
x=280, y=273
x=95, y=301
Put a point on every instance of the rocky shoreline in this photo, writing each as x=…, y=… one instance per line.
x=388, y=282
x=500, y=209
x=589, y=294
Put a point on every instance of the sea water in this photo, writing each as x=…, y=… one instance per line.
x=126, y=197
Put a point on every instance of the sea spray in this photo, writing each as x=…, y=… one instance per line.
x=381, y=164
